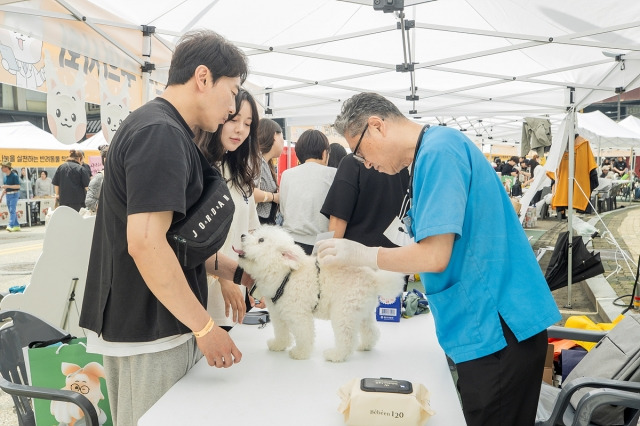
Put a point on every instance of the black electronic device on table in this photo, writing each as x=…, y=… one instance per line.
x=385, y=384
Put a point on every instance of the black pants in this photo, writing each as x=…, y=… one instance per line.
x=503, y=388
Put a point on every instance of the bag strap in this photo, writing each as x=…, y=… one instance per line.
x=44, y=343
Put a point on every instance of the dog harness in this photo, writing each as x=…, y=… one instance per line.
x=280, y=289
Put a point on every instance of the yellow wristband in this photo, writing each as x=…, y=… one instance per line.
x=207, y=328
x=266, y=197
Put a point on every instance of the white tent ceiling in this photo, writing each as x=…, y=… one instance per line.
x=496, y=61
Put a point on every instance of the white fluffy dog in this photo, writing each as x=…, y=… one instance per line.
x=296, y=290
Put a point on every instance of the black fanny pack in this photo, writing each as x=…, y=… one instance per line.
x=204, y=229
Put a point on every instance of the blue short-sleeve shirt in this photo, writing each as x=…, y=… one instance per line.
x=11, y=179
x=493, y=271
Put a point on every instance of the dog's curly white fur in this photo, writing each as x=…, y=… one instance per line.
x=346, y=295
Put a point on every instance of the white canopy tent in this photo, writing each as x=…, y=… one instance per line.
x=94, y=142
x=26, y=145
x=603, y=132
x=631, y=123
x=24, y=135
x=471, y=64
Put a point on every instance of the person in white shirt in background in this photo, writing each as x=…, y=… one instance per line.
x=304, y=188
x=234, y=150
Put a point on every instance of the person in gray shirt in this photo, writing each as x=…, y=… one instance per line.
x=44, y=187
x=304, y=188
x=95, y=186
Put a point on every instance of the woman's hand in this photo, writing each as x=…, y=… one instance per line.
x=258, y=303
x=233, y=300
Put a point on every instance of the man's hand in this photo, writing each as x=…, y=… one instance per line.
x=219, y=349
x=347, y=252
x=233, y=300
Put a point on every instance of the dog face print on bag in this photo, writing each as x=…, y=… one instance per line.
x=83, y=380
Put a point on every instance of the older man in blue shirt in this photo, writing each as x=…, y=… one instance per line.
x=471, y=253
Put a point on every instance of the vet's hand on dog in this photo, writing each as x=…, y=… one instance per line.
x=218, y=348
x=347, y=252
x=233, y=300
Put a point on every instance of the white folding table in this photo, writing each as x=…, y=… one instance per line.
x=269, y=388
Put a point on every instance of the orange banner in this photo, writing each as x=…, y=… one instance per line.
x=38, y=157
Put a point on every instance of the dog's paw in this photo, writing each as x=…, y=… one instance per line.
x=335, y=355
x=366, y=346
x=298, y=353
x=277, y=345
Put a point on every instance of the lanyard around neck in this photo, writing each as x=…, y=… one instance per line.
x=413, y=167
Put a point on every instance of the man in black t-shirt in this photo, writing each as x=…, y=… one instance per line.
x=362, y=202
x=140, y=306
x=620, y=166
x=70, y=182
x=508, y=168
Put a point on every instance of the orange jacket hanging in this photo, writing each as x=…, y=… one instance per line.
x=585, y=162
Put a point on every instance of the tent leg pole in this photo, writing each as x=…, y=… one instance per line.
x=571, y=147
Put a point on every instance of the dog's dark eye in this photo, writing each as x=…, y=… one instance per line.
x=261, y=240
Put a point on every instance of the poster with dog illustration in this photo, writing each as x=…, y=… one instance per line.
x=68, y=367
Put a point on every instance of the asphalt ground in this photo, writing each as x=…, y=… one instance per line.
x=617, y=235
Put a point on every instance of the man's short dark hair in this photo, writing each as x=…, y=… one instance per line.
x=103, y=152
x=208, y=48
x=311, y=144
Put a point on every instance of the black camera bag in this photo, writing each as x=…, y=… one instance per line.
x=204, y=229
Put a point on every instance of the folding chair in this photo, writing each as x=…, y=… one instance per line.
x=604, y=392
x=22, y=330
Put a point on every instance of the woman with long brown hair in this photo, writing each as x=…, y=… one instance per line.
x=234, y=150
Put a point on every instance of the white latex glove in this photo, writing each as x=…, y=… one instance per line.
x=347, y=252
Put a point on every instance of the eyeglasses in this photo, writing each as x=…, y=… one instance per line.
x=357, y=156
x=79, y=388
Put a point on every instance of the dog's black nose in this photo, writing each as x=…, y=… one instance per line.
x=242, y=237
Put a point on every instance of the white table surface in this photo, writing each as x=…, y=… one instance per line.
x=269, y=388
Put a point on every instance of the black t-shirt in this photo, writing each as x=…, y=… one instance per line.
x=153, y=166
x=620, y=165
x=72, y=179
x=507, y=169
x=367, y=200
x=87, y=168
